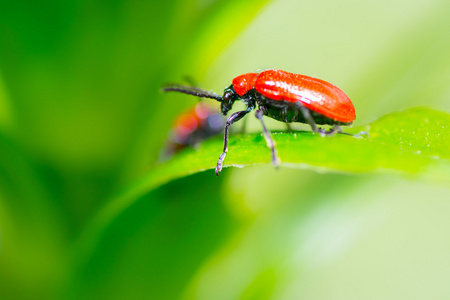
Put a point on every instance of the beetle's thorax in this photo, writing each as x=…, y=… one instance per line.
x=244, y=83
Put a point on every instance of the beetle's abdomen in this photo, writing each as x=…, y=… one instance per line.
x=288, y=112
x=317, y=95
x=244, y=83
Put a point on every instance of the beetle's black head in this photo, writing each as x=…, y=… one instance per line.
x=229, y=96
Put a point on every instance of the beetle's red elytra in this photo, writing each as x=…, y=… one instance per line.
x=283, y=96
x=316, y=94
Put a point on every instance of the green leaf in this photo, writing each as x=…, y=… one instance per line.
x=413, y=143
x=408, y=142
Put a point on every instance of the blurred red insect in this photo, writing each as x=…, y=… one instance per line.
x=283, y=96
x=192, y=127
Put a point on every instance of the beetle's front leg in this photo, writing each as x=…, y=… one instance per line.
x=233, y=118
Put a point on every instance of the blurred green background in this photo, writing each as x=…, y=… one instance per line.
x=81, y=116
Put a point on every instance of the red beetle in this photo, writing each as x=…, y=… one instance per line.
x=285, y=97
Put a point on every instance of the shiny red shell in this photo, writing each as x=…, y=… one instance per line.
x=243, y=83
x=316, y=94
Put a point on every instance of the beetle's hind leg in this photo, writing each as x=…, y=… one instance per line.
x=337, y=129
x=289, y=127
x=309, y=118
x=357, y=135
x=334, y=130
x=270, y=142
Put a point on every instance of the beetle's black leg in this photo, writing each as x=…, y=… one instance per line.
x=233, y=118
x=270, y=142
x=308, y=117
x=337, y=129
x=288, y=127
x=334, y=130
x=357, y=135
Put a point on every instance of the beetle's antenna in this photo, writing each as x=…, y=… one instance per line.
x=190, y=90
